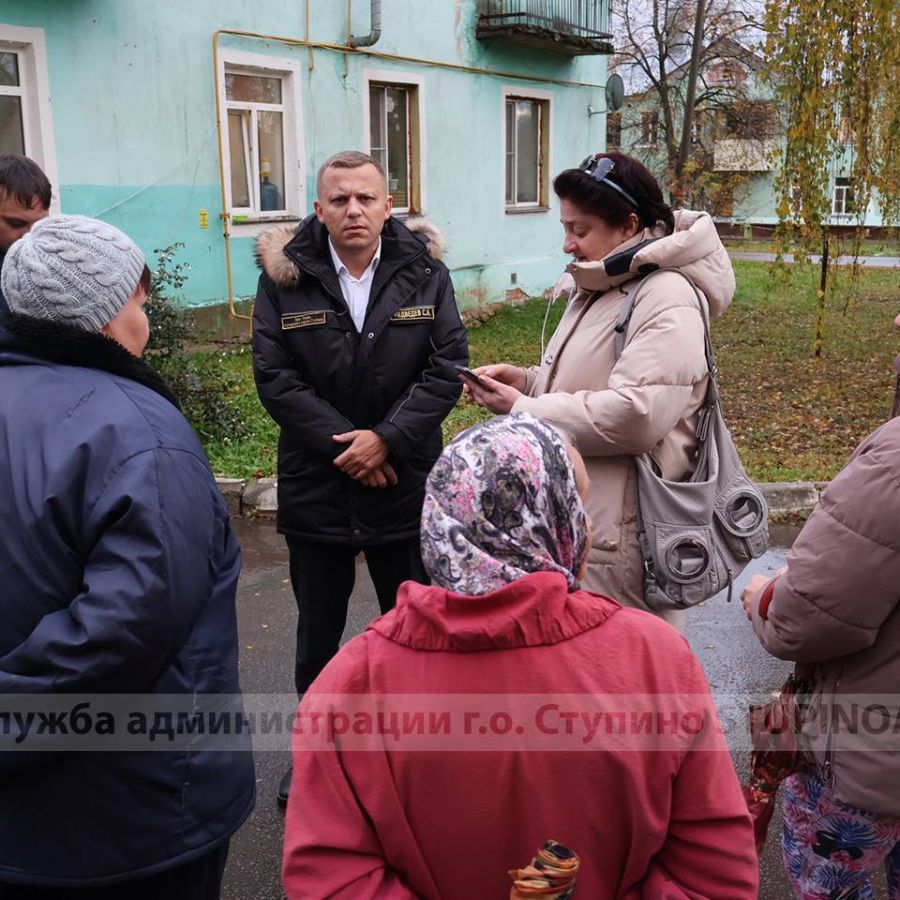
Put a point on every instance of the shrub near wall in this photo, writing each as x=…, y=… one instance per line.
x=204, y=386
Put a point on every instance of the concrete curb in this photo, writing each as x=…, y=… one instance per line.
x=786, y=498
x=259, y=496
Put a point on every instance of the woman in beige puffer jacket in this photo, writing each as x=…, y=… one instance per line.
x=618, y=229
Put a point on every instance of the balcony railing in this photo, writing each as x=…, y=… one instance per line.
x=572, y=27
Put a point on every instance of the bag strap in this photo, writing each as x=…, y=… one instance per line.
x=712, y=400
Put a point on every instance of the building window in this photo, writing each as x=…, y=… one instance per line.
x=613, y=131
x=750, y=120
x=649, y=128
x=12, y=101
x=726, y=71
x=846, y=131
x=261, y=137
x=25, y=123
x=394, y=140
x=255, y=105
x=696, y=130
x=842, y=197
x=527, y=151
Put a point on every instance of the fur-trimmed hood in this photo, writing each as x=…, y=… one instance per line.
x=269, y=253
x=437, y=242
x=272, y=259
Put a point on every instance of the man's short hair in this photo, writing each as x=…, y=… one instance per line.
x=23, y=179
x=348, y=159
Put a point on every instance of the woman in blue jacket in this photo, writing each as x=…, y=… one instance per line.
x=119, y=571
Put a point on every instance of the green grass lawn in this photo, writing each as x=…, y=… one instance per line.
x=793, y=417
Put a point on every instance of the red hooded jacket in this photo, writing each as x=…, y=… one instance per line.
x=565, y=717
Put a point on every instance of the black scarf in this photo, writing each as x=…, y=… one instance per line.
x=70, y=346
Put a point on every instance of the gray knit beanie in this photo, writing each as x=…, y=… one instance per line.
x=71, y=269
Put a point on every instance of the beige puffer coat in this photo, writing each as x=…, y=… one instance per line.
x=645, y=401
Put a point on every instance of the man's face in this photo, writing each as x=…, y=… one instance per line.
x=353, y=205
x=16, y=220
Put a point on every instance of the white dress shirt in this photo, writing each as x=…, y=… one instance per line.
x=356, y=290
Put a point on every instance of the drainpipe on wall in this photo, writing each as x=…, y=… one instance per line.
x=370, y=38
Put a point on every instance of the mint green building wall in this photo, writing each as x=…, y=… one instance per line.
x=132, y=90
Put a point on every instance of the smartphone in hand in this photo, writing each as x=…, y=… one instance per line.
x=468, y=373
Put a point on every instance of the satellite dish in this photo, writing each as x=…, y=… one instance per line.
x=615, y=96
x=615, y=93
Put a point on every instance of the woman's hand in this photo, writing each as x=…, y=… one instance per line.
x=505, y=374
x=501, y=386
x=491, y=393
x=748, y=594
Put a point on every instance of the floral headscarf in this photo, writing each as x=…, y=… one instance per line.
x=500, y=503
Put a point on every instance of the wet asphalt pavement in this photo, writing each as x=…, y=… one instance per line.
x=871, y=262
x=718, y=631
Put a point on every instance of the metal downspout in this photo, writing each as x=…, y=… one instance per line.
x=375, y=33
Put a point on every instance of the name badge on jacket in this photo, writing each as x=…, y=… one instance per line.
x=304, y=320
x=413, y=314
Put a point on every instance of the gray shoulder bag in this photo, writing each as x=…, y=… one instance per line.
x=697, y=535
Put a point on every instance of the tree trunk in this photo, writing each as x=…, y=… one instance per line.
x=684, y=150
x=820, y=302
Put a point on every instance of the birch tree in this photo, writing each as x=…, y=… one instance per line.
x=835, y=68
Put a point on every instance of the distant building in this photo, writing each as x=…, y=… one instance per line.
x=735, y=136
x=132, y=107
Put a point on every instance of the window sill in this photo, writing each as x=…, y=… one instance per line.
x=262, y=218
x=525, y=210
x=255, y=225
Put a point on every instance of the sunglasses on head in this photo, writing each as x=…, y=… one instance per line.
x=600, y=169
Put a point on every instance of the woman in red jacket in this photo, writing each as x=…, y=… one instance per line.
x=503, y=706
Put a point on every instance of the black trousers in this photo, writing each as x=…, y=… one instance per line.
x=200, y=879
x=322, y=576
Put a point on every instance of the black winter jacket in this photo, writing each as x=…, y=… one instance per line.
x=317, y=377
x=119, y=570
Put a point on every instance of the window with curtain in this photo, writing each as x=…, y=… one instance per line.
x=394, y=140
x=526, y=153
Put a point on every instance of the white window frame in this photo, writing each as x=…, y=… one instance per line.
x=288, y=71
x=545, y=142
x=839, y=194
x=417, y=187
x=31, y=47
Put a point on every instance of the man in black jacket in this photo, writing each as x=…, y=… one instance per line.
x=24, y=200
x=355, y=338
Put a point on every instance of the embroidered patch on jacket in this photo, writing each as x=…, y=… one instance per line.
x=304, y=320
x=413, y=314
